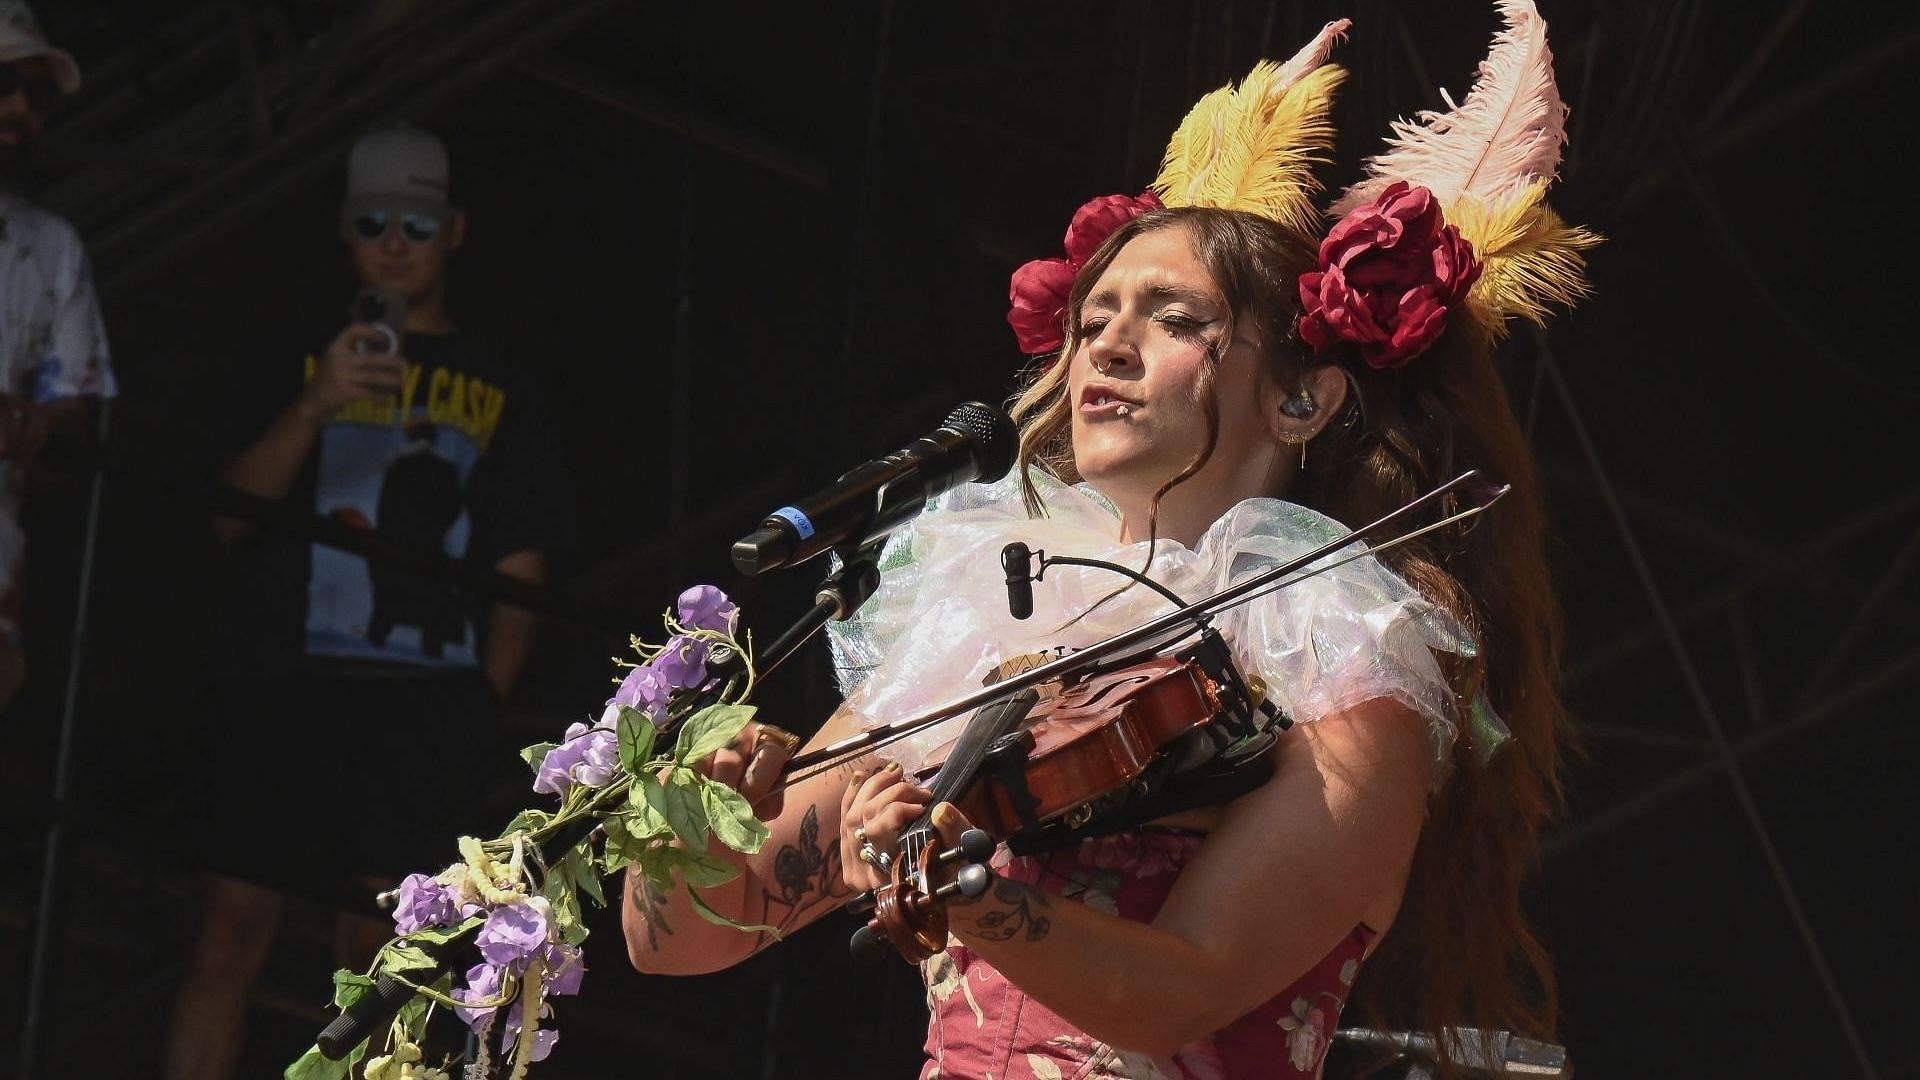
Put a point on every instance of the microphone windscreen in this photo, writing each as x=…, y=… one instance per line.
x=994, y=436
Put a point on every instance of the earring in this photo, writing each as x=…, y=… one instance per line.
x=1300, y=441
x=1300, y=406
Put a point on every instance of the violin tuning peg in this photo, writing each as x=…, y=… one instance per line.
x=867, y=945
x=977, y=845
x=971, y=883
x=973, y=880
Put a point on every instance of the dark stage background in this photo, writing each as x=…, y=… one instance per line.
x=748, y=246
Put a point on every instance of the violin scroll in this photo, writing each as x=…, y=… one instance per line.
x=910, y=918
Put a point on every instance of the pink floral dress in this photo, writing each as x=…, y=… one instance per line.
x=984, y=1028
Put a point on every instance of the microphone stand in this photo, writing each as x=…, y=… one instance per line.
x=840, y=594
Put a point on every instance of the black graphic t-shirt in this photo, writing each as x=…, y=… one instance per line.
x=460, y=462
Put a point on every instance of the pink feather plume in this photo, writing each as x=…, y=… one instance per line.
x=1312, y=56
x=1504, y=136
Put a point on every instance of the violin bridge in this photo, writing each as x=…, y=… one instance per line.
x=1015, y=665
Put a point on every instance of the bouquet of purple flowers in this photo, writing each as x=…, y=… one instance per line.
x=631, y=775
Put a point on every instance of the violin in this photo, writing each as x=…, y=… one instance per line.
x=1130, y=738
x=1027, y=765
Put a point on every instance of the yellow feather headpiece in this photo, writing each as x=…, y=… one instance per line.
x=1253, y=146
x=1249, y=147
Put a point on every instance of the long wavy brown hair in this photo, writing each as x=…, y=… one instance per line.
x=1460, y=952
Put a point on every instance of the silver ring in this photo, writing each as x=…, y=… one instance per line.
x=873, y=857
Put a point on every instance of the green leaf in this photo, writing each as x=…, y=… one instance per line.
x=700, y=869
x=636, y=733
x=710, y=729
x=314, y=1065
x=658, y=866
x=615, y=858
x=565, y=905
x=587, y=878
x=349, y=987
x=715, y=917
x=442, y=935
x=400, y=958
x=646, y=816
x=678, y=801
x=731, y=816
x=536, y=754
x=526, y=821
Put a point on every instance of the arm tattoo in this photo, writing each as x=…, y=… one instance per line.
x=1018, y=909
x=804, y=872
x=648, y=900
x=797, y=864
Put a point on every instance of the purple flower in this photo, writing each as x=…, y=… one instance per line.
x=682, y=665
x=543, y=1039
x=424, y=902
x=704, y=607
x=512, y=933
x=644, y=689
x=565, y=968
x=483, y=984
x=588, y=756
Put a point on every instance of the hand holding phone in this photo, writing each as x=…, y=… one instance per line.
x=357, y=366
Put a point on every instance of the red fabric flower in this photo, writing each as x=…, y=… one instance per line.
x=1390, y=271
x=1038, y=296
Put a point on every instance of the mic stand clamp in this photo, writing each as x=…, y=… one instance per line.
x=839, y=595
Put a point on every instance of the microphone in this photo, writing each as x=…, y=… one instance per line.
x=1017, y=560
x=975, y=442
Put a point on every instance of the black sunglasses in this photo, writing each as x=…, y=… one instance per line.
x=417, y=228
x=42, y=91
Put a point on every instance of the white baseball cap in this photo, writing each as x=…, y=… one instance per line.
x=399, y=169
x=22, y=39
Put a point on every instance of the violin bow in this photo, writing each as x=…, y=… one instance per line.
x=1476, y=491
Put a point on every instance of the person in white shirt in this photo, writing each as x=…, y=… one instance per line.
x=53, y=344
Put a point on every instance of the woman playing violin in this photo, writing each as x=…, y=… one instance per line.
x=1224, y=389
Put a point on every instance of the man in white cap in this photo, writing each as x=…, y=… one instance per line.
x=53, y=346
x=405, y=425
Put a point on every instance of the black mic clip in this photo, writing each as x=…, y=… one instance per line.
x=1017, y=560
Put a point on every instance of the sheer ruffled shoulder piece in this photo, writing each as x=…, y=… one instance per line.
x=938, y=625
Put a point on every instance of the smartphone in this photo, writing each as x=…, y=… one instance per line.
x=384, y=308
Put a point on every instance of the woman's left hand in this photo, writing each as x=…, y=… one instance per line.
x=875, y=810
